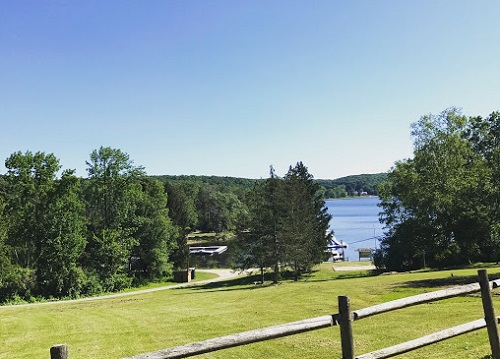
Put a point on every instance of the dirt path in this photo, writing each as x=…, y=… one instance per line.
x=223, y=274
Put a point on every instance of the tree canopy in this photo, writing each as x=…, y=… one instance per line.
x=354, y=185
x=288, y=224
x=440, y=207
x=64, y=236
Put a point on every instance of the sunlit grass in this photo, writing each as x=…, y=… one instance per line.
x=200, y=276
x=365, y=263
x=126, y=326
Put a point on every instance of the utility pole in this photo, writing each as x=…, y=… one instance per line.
x=374, y=239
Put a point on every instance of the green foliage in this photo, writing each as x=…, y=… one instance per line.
x=182, y=197
x=259, y=240
x=26, y=187
x=111, y=187
x=111, y=191
x=67, y=237
x=440, y=207
x=354, y=185
x=305, y=221
x=288, y=224
x=182, y=204
x=15, y=281
x=155, y=233
x=63, y=242
x=217, y=181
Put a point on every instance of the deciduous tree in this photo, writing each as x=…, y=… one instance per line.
x=63, y=240
x=435, y=205
x=111, y=191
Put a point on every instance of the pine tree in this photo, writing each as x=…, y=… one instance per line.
x=305, y=221
x=288, y=224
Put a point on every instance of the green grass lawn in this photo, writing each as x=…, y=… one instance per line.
x=126, y=326
x=200, y=276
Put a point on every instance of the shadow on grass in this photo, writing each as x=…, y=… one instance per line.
x=253, y=281
x=243, y=282
x=447, y=282
x=341, y=276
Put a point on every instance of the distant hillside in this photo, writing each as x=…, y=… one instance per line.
x=219, y=181
x=353, y=185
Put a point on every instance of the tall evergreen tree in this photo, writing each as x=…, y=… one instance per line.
x=259, y=242
x=288, y=224
x=306, y=221
x=155, y=233
x=182, y=210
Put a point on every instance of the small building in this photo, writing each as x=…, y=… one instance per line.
x=183, y=276
x=365, y=253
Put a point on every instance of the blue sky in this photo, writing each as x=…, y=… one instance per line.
x=230, y=87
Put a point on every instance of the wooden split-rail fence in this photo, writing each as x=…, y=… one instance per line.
x=344, y=319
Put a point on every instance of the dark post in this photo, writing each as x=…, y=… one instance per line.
x=346, y=338
x=59, y=351
x=489, y=314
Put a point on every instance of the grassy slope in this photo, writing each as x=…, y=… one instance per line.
x=120, y=327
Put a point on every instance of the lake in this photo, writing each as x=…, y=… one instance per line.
x=355, y=221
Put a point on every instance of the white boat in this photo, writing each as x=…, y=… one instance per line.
x=207, y=251
x=336, y=249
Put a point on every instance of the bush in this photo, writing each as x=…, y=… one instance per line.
x=16, y=283
x=117, y=282
x=90, y=284
x=379, y=259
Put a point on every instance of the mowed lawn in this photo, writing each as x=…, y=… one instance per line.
x=126, y=326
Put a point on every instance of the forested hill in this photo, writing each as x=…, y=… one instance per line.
x=223, y=181
x=353, y=185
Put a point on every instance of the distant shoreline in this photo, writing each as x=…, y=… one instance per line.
x=352, y=197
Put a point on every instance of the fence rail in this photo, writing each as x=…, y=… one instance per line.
x=420, y=299
x=234, y=340
x=424, y=341
x=345, y=319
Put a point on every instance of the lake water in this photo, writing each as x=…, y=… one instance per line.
x=355, y=221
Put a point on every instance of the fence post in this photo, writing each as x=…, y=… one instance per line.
x=59, y=351
x=345, y=317
x=489, y=314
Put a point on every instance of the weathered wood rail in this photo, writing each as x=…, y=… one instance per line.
x=345, y=319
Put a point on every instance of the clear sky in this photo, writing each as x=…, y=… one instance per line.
x=230, y=87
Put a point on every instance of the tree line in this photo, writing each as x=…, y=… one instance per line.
x=348, y=186
x=352, y=186
x=66, y=236
x=442, y=207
